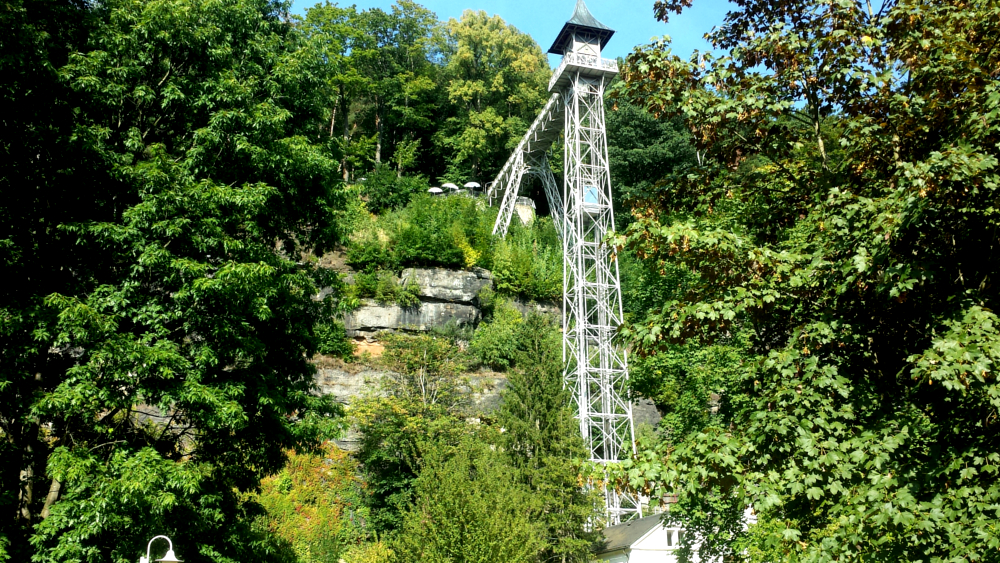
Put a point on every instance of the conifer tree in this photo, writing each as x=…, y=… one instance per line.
x=469, y=507
x=543, y=441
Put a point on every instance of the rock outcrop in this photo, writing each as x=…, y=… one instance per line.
x=446, y=297
x=347, y=382
x=372, y=318
x=451, y=286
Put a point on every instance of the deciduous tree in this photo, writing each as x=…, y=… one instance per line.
x=844, y=217
x=156, y=328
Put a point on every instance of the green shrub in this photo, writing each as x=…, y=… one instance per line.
x=384, y=191
x=333, y=341
x=383, y=287
x=442, y=231
x=369, y=247
x=528, y=262
x=450, y=232
x=456, y=232
x=487, y=300
x=310, y=503
x=495, y=342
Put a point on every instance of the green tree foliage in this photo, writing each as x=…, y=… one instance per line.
x=409, y=95
x=453, y=232
x=642, y=149
x=842, y=219
x=497, y=79
x=313, y=504
x=390, y=50
x=495, y=342
x=155, y=333
x=384, y=190
x=543, y=441
x=417, y=406
x=469, y=506
x=382, y=83
x=528, y=262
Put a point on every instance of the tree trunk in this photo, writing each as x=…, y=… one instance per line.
x=347, y=131
x=333, y=119
x=26, y=492
x=51, y=498
x=378, y=138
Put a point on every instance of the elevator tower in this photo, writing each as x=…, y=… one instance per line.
x=596, y=368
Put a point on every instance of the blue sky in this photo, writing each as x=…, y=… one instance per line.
x=631, y=19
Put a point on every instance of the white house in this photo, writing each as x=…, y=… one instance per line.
x=644, y=540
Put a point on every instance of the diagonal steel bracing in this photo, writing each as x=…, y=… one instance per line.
x=530, y=160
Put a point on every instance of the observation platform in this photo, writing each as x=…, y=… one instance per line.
x=586, y=65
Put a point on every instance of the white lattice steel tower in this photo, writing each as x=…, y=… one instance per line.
x=596, y=367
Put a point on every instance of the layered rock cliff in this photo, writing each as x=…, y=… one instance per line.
x=447, y=297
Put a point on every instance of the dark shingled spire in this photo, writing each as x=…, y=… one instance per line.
x=582, y=20
x=583, y=17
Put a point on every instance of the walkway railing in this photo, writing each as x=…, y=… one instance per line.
x=583, y=60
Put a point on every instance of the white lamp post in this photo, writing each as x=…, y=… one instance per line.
x=168, y=558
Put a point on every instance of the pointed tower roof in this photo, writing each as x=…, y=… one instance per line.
x=582, y=20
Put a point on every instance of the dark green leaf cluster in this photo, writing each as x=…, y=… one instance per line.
x=839, y=232
x=496, y=340
x=384, y=190
x=410, y=94
x=541, y=436
x=157, y=327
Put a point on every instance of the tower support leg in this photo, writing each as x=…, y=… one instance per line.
x=596, y=367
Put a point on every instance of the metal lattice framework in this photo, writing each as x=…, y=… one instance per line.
x=596, y=367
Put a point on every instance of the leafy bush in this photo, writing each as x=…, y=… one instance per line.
x=528, y=262
x=305, y=503
x=333, y=340
x=376, y=552
x=495, y=343
x=450, y=232
x=385, y=191
x=456, y=232
x=382, y=286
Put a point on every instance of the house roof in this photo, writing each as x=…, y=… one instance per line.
x=582, y=19
x=625, y=535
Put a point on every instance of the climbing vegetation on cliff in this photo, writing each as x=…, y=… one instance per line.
x=457, y=232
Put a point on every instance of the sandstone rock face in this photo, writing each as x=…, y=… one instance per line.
x=372, y=317
x=347, y=383
x=553, y=310
x=525, y=209
x=446, y=297
x=453, y=286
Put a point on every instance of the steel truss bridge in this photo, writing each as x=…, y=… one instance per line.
x=596, y=368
